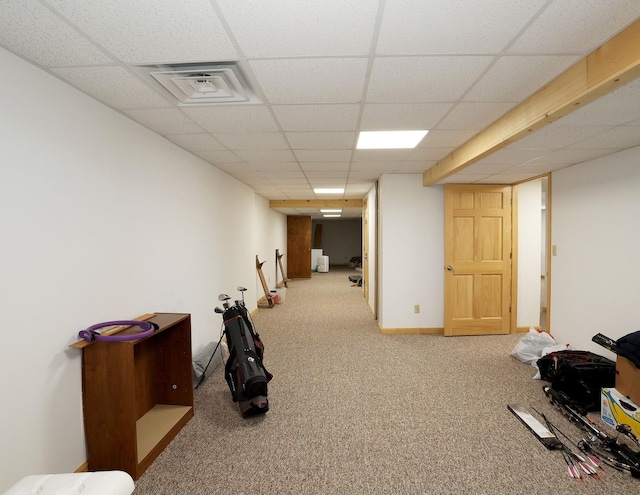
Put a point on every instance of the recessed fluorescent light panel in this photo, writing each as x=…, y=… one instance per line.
x=335, y=190
x=384, y=140
x=330, y=211
x=331, y=216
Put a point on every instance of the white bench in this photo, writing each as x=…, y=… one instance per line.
x=93, y=483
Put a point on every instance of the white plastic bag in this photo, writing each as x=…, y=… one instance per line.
x=529, y=348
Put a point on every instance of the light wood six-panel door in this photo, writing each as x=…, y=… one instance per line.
x=477, y=259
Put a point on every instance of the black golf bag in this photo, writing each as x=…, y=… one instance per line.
x=245, y=373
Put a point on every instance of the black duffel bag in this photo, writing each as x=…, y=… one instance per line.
x=579, y=374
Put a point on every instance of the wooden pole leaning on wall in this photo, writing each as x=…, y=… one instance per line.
x=284, y=275
x=265, y=287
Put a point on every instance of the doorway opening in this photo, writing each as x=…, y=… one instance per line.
x=339, y=240
x=532, y=254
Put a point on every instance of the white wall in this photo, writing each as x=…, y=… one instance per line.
x=372, y=222
x=270, y=231
x=101, y=219
x=595, y=276
x=529, y=252
x=411, y=252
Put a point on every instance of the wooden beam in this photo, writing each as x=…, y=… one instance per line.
x=610, y=66
x=315, y=203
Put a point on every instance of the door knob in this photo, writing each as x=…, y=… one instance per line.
x=450, y=268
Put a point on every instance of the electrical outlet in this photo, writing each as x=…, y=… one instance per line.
x=416, y=308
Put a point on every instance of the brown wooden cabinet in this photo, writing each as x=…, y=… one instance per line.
x=137, y=395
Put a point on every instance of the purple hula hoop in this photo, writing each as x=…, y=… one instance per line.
x=90, y=333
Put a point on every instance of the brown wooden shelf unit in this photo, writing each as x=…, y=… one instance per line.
x=137, y=395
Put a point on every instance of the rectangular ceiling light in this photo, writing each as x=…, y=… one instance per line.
x=384, y=140
x=331, y=216
x=335, y=190
x=330, y=211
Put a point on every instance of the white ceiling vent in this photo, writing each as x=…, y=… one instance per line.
x=201, y=84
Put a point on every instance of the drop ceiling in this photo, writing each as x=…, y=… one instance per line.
x=321, y=71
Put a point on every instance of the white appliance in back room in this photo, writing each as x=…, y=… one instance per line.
x=323, y=264
x=315, y=254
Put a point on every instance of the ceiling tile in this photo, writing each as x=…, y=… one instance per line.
x=29, y=29
x=307, y=194
x=253, y=141
x=569, y=156
x=300, y=185
x=446, y=138
x=467, y=115
x=504, y=178
x=196, y=142
x=620, y=137
x=317, y=117
x=219, y=156
x=114, y=86
x=268, y=155
x=278, y=195
x=269, y=189
x=423, y=79
x=440, y=65
x=288, y=177
x=421, y=154
x=324, y=166
x=322, y=140
x=381, y=155
x=165, y=121
x=576, y=26
x=538, y=167
x=618, y=107
x=328, y=28
x=419, y=27
x=358, y=187
x=516, y=78
x=307, y=211
x=369, y=166
x=153, y=31
x=274, y=167
x=323, y=155
x=286, y=211
x=402, y=116
x=248, y=177
x=416, y=167
x=557, y=135
x=233, y=119
x=240, y=167
x=361, y=175
x=307, y=80
x=327, y=176
x=485, y=168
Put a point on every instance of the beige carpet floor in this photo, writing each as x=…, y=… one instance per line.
x=353, y=411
